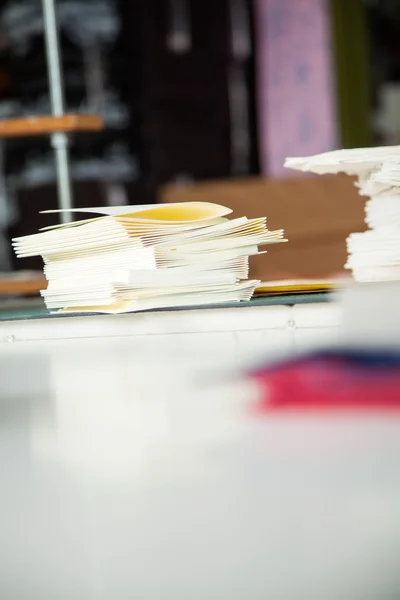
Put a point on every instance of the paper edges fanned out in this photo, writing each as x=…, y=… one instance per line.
x=377, y=169
x=213, y=210
x=83, y=258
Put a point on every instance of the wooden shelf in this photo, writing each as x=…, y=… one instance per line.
x=21, y=285
x=46, y=125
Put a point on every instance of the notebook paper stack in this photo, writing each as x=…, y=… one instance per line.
x=373, y=255
x=135, y=258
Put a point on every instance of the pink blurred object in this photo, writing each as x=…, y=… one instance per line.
x=326, y=382
x=296, y=106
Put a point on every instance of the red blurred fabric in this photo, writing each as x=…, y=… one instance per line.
x=328, y=383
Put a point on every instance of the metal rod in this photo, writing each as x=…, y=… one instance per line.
x=59, y=142
x=56, y=87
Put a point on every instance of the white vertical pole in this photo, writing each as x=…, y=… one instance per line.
x=59, y=140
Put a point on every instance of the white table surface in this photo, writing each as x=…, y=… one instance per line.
x=129, y=471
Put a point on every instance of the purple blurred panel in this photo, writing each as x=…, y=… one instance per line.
x=296, y=94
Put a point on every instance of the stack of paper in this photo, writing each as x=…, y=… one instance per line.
x=375, y=254
x=145, y=257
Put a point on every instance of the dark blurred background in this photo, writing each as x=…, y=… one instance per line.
x=194, y=91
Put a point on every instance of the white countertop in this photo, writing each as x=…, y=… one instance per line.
x=127, y=472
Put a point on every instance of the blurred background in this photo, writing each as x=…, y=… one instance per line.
x=204, y=101
x=171, y=454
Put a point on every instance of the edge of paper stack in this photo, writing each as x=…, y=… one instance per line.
x=373, y=255
x=135, y=258
x=296, y=286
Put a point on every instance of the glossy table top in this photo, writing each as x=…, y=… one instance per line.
x=132, y=470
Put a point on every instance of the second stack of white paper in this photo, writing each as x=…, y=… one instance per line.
x=373, y=255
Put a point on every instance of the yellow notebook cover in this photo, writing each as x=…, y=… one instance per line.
x=299, y=286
